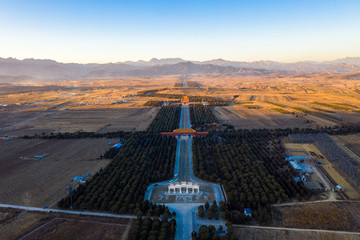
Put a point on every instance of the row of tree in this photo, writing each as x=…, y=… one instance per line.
x=251, y=167
x=121, y=186
x=166, y=120
x=334, y=130
x=192, y=84
x=210, y=232
x=79, y=134
x=178, y=84
x=153, y=103
x=213, y=101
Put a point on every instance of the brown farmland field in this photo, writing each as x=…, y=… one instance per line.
x=350, y=143
x=42, y=182
x=241, y=117
x=309, y=100
x=35, y=225
x=244, y=232
x=90, y=120
x=339, y=216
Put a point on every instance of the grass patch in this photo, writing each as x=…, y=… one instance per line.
x=243, y=102
x=277, y=104
x=323, y=110
x=280, y=110
x=345, y=105
x=303, y=110
x=333, y=106
x=251, y=106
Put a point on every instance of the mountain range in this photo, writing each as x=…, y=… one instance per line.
x=12, y=69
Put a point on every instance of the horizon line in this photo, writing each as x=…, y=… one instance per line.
x=185, y=60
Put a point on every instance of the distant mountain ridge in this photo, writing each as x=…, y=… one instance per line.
x=51, y=70
x=339, y=66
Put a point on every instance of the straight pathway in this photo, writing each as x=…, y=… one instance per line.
x=296, y=229
x=185, y=212
x=48, y=210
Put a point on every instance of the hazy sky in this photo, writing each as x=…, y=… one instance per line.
x=110, y=31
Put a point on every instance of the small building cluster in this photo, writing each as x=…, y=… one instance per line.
x=305, y=170
x=185, y=100
x=247, y=212
x=40, y=156
x=183, y=188
x=79, y=179
x=122, y=101
x=117, y=146
x=184, y=132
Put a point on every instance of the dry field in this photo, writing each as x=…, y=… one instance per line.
x=90, y=120
x=16, y=222
x=42, y=182
x=315, y=100
x=33, y=225
x=339, y=216
x=350, y=143
x=304, y=150
x=241, y=117
x=102, y=105
x=280, y=234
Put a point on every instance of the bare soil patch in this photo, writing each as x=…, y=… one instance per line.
x=350, y=143
x=35, y=225
x=340, y=216
x=42, y=182
x=90, y=120
x=270, y=234
x=241, y=117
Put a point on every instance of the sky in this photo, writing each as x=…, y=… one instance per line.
x=118, y=30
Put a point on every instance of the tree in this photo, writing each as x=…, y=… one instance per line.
x=203, y=233
x=201, y=212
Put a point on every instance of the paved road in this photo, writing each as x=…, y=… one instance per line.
x=35, y=209
x=185, y=212
x=185, y=84
x=297, y=229
x=185, y=117
x=316, y=201
x=184, y=159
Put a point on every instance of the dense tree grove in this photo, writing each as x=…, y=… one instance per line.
x=120, y=187
x=155, y=93
x=210, y=211
x=111, y=153
x=153, y=103
x=213, y=101
x=80, y=134
x=192, y=84
x=166, y=120
x=200, y=115
x=335, y=153
x=153, y=229
x=211, y=233
x=178, y=84
x=251, y=166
